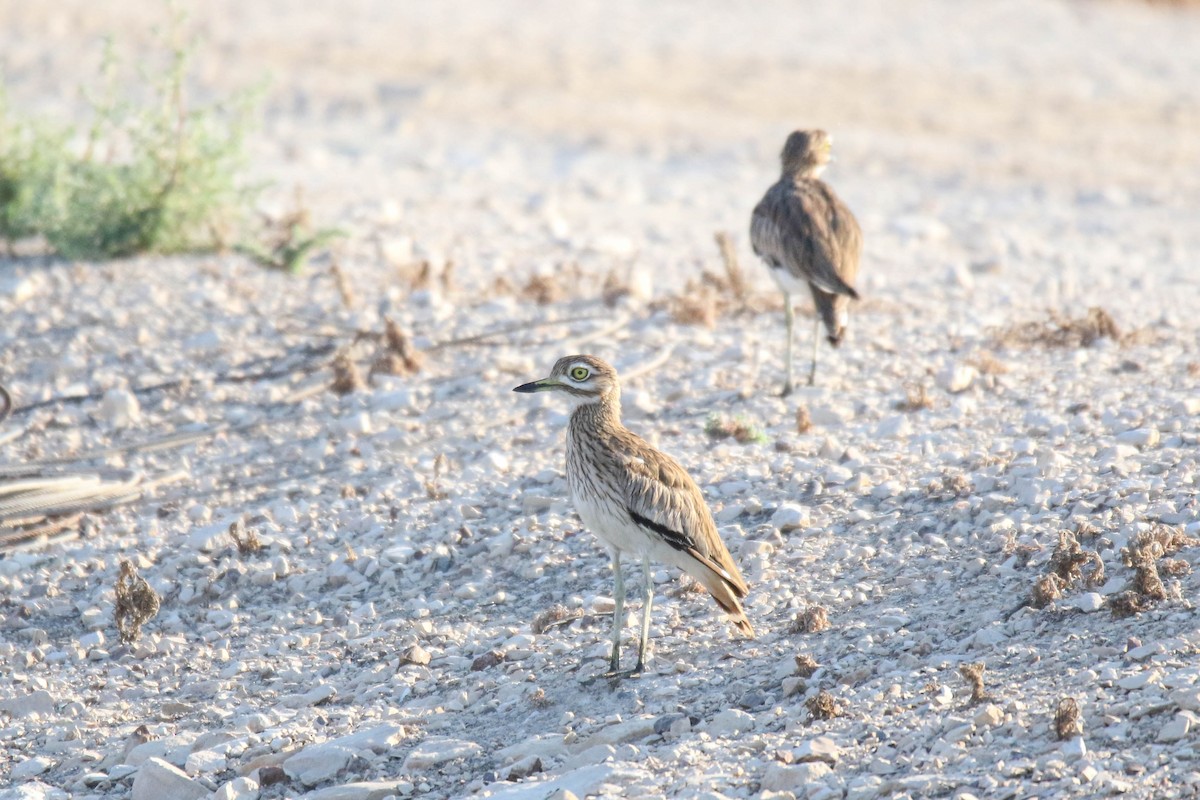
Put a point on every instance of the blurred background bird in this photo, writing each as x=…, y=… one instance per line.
x=808, y=236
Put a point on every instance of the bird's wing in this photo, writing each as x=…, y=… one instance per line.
x=661, y=497
x=802, y=227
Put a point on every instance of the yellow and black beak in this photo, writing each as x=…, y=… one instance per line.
x=544, y=385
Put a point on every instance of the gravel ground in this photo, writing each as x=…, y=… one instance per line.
x=425, y=614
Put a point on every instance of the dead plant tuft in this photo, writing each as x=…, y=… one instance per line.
x=1067, y=721
x=973, y=674
x=539, y=699
x=552, y=616
x=615, y=289
x=1096, y=577
x=1060, y=331
x=824, y=706
x=1127, y=604
x=1047, y=589
x=696, y=305
x=399, y=356
x=1146, y=554
x=346, y=376
x=733, y=270
x=917, y=399
x=813, y=619
x=343, y=285
x=738, y=427
x=949, y=487
x=804, y=421
x=987, y=364
x=1068, y=558
x=137, y=603
x=433, y=487
x=543, y=290
x=806, y=665
x=1174, y=567
x=246, y=540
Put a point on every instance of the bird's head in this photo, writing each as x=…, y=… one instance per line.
x=806, y=153
x=584, y=379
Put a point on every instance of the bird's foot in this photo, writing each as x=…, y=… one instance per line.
x=615, y=675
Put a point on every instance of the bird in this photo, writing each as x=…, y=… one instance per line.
x=806, y=235
x=637, y=500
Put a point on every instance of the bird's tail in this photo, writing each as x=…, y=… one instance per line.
x=727, y=598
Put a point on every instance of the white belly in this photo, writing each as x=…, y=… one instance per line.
x=788, y=283
x=606, y=518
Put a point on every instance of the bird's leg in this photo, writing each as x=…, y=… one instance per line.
x=647, y=604
x=789, y=316
x=812, y=373
x=614, y=664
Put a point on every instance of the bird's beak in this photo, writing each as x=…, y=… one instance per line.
x=544, y=385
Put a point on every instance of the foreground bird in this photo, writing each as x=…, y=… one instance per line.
x=636, y=499
x=808, y=236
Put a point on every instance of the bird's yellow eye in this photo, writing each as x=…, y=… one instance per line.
x=579, y=373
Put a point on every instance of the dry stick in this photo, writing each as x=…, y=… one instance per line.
x=522, y=326
x=737, y=281
x=230, y=377
x=649, y=365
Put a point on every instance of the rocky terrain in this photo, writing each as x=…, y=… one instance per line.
x=970, y=545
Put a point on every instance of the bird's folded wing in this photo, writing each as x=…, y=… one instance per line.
x=661, y=497
x=799, y=228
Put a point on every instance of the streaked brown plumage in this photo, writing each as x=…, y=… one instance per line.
x=636, y=499
x=808, y=236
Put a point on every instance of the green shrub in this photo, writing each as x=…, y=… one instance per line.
x=154, y=178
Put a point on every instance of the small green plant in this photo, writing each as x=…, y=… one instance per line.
x=741, y=429
x=286, y=242
x=154, y=178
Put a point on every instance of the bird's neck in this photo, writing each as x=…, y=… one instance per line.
x=808, y=172
x=605, y=412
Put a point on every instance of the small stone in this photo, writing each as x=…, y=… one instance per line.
x=119, y=408
x=796, y=777
x=487, y=661
x=790, y=517
x=1088, y=602
x=321, y=693
x=1139, y=680
x=34, y=790
x=730, y=722
x=1140, y=437
x=822, y=748
x=1176, y=729
x=30, y=768
x=549, y=746
x=1187, y=698
x=1073, y=749
x=238, y=789
x=359, y=790
x=415, y=655
x=957, y=378
x=432, y=752
x=39, y=702
x=591, y=755
x=318, y=762
x=990, y=716
x=204, y=761
x=894, y=427
x=156, y=779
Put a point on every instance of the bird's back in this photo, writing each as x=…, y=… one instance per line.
x=802, y=228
